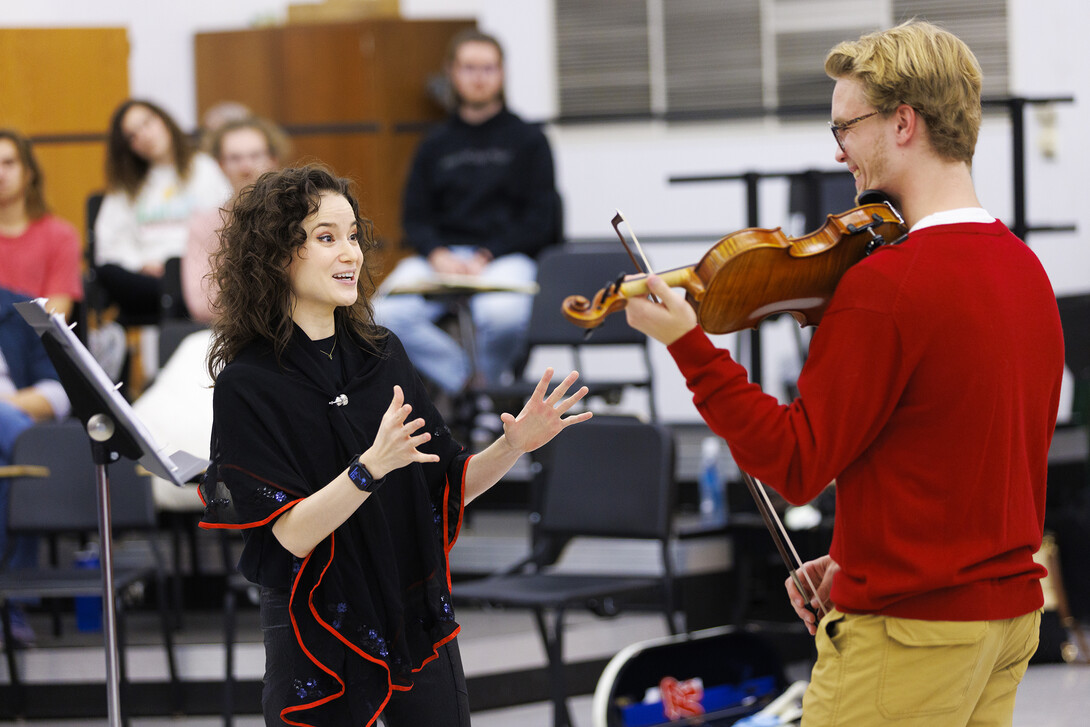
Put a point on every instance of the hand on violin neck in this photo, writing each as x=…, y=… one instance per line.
x=665, y=321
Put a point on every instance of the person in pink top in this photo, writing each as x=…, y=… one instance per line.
x=245, y=149
x=929, y=397
x=41, y=252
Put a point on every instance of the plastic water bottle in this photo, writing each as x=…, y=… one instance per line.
x=88, y=608
x=712, y=490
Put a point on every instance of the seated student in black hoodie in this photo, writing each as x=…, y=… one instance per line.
x=480, y=201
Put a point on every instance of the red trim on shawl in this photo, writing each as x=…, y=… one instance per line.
x=299, y=640
x=448, y=544
x=390, y=686
x=256, y=524
x=242, y=526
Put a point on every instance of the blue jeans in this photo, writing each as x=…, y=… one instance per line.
x=438, y=698
x=21, y=551
x=500, y=321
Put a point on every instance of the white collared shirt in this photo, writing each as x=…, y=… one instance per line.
x=952, y=217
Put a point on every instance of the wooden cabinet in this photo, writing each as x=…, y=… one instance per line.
x=59, y=87
x=352, y=95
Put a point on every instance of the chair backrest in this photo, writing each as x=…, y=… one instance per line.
x=91, y=208
x=172, y=332
x=1075, y=319
x=93, y=297
x=65, y=500
x=577, y=269
x=610, y=477
x=172, y=299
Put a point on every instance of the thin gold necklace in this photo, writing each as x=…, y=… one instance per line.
x=329, y=353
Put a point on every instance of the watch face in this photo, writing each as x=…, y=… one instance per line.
x=363, y=479
x=360, y=476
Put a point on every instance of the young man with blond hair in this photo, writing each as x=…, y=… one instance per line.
x=929, y=396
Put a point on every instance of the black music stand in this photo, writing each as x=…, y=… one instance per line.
x=115, y=432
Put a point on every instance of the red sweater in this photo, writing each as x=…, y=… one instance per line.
x=930, y=396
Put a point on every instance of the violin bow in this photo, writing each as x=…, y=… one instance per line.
x=646, y=267
x=617, y=220
x=783, y=542
x=757, y=489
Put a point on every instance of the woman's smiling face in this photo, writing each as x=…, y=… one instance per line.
x=325, y=271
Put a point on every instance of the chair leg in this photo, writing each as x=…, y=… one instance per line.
x=176, y=573
x=669, y=586
x=19, y=704
x=554, y=649
x=229, y=607
x=194, y=548
x=54, y=603
x=167, y=624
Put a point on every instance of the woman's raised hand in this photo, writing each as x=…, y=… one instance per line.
x=542, y=418
x=397, y=439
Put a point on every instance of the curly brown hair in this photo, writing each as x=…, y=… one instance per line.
x=263, y=233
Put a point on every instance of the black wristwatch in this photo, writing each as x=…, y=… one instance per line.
x=361, y=478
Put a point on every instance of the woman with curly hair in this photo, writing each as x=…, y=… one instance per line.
x=329, y=456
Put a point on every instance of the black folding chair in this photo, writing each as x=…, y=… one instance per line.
x=55, y=496
x=568, y=270
x=628, y=493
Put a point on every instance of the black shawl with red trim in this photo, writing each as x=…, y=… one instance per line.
x=372, y=602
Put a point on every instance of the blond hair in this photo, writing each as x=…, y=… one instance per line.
x=925, y=67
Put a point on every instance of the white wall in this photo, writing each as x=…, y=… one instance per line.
x=626, y=166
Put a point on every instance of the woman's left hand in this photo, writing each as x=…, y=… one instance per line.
x=542, y=418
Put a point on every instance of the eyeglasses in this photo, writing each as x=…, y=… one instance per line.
x=837, y=128
x=469, y=69
x=254, y=157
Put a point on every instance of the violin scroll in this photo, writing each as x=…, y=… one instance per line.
x=590, y=314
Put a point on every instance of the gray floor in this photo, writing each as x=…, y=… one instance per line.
x=1054, y=695
x=491, y=643
x=1051, y=695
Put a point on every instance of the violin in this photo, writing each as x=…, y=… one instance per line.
x=755, y=273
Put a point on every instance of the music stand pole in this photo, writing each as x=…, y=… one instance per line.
x=115, y=432
x=100, y=428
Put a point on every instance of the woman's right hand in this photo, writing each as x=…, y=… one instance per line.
x=820, y=572
x=397, y=439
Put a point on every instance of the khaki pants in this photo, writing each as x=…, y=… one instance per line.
x=879, y=670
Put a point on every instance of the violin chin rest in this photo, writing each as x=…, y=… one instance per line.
x=871, y=196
